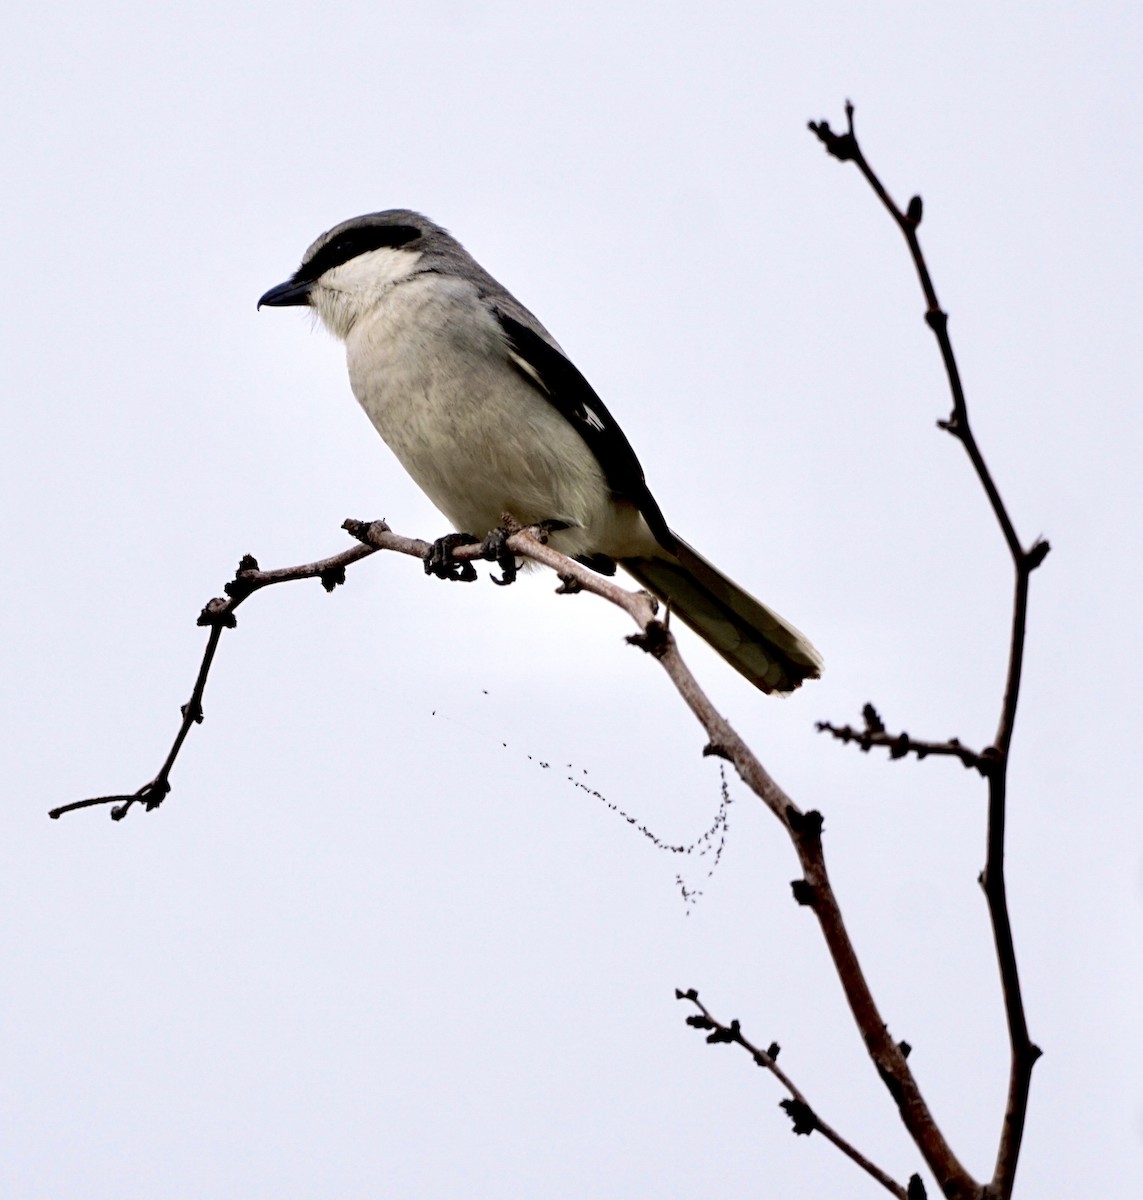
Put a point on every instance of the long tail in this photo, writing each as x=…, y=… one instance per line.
x=757, y=642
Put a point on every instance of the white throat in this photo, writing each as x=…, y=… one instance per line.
x=344, y=294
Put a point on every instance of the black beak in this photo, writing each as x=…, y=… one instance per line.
x=290, y=292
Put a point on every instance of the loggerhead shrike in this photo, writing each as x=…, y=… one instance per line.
x=489, y=417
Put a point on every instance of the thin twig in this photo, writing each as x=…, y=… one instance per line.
x=218, y=615
x=370, y=536
x=1023, y=1051
x=900, y=745
x=806, y=1119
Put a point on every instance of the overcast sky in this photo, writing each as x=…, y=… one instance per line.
x=370, y=946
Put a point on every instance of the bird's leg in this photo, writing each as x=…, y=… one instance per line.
x=439, y=559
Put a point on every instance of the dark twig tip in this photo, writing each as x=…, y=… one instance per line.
x=332, y=578
x=805, y=824
x=716, y=750
x=804, y=892
x=937, y=320
x=1039, y=551
x=905, y=1049
x=654, y=639
x=154, y=793
x=805, y=1122
x=690, y=994
x=842, y=146
x=915, y=211
x=872, y=719
x=916, y=1189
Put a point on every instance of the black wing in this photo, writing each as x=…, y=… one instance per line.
x=565, y=388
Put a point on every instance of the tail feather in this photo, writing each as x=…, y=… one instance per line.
x=757, y=642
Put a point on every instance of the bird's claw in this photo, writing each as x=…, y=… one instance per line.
x=440, y=561
x=495, y=549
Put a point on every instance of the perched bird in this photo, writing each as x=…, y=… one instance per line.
x=490, y=418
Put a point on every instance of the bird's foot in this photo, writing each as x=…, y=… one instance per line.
x=440, y=561
x=495, y=549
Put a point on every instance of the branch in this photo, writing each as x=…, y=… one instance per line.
x=218, y=615
x=1024, y=1052
x=805, y=1119
x=900, y=745
x=803, y=828
x=816, y=892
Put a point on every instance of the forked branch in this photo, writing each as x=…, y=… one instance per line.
x=218, y=616
x=993, y=762
x=804, y=1118
x=814, y=890
x=804, y=828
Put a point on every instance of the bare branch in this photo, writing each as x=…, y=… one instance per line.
x=805, y=1119
x=900, y=745
x=218, y=615
x=804, y=829
x=1023, y=1052
x=816, y=892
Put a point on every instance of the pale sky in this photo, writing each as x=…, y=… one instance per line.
x=366, y=949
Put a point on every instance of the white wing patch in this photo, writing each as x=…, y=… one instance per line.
x=590, y=417
x=583, y=412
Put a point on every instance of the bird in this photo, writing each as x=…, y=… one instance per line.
x=492, y=420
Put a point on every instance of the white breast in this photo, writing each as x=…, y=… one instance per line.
x=430, y=366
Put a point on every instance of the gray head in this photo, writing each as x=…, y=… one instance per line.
x=348, y=268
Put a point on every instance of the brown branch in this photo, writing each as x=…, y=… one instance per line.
x=804, y=829
x=900, y=745
x=816, y=891
x=805, y=1119
x=1023, y=1051
x=218, y=615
